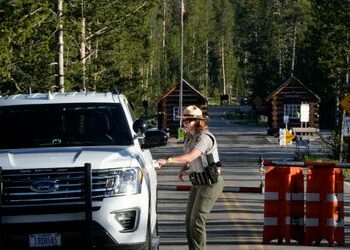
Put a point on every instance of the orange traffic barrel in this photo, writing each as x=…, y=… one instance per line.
x=324, y=205
x=296, y=206
x=335, y=209
x=283, y=204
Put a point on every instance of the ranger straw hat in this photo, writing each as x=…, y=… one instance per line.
x=192, y=112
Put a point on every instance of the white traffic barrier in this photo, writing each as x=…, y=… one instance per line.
x=226, y=189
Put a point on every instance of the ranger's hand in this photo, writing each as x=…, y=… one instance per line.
x=183, y=172
x=161, y=162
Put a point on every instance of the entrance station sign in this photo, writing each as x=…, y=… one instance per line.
x=304, y=112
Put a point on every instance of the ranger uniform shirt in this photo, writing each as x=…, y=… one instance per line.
x=205, y=142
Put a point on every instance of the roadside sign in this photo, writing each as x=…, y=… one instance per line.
x=346, y=126
x=282, y=138
x=289, y=137
x=285, y=137
x=286, y=119
x=304, y=112
x=345, y=103
x=181, y=135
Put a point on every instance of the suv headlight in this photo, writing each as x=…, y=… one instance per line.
x=123, y=182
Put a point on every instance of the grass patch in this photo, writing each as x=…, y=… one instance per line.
x=346, y=171
x=246, y=118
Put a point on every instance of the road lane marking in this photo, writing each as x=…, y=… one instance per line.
x=232, y=217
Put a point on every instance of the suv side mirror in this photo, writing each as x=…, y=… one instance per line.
x=155, y=138
x=140, y=126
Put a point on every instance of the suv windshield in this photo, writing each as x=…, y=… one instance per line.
x=62, y=125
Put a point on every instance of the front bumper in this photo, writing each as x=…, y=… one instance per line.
x=106, y=232
x=73, y=236
x=97, y=227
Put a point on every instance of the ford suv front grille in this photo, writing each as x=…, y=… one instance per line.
x=51, y=190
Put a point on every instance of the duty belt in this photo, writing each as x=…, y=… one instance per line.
x=200, y=178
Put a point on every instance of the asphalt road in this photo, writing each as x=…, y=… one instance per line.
x=236, y=221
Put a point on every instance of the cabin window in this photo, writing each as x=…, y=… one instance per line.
x=176, y=113
x=292, y=110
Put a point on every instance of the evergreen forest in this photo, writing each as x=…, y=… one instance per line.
x=236, y=47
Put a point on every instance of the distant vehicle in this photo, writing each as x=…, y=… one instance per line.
x=244, y=100
x=75, y=172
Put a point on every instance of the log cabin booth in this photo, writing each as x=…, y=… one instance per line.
x=169, y=110
x=295, y=106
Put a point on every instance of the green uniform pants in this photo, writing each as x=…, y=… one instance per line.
x=200, y=203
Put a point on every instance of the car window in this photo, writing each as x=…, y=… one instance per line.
x=62, y=125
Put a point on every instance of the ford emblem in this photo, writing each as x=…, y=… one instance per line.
x=44, y=186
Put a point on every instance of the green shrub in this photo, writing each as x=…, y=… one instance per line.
x=247, y=118
x=346, y=172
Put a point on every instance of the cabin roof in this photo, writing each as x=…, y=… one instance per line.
x=285, y=84
x=185, y=84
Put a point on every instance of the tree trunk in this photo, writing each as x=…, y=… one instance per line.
x=60, y=78
x=294, y=44
x=207, y=67
x=280, y=57
x=164, y=7
x=223, y=65
x=83, y=52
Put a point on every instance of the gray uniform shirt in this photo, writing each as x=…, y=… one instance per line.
x=205, y=142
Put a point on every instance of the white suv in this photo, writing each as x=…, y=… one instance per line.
x=75, y=171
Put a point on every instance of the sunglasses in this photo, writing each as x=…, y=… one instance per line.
x=188, y=120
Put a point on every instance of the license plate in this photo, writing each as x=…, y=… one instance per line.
x=45, y=240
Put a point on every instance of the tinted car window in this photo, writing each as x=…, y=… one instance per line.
x=62, y=125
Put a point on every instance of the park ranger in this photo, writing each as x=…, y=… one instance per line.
x=201, y=160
